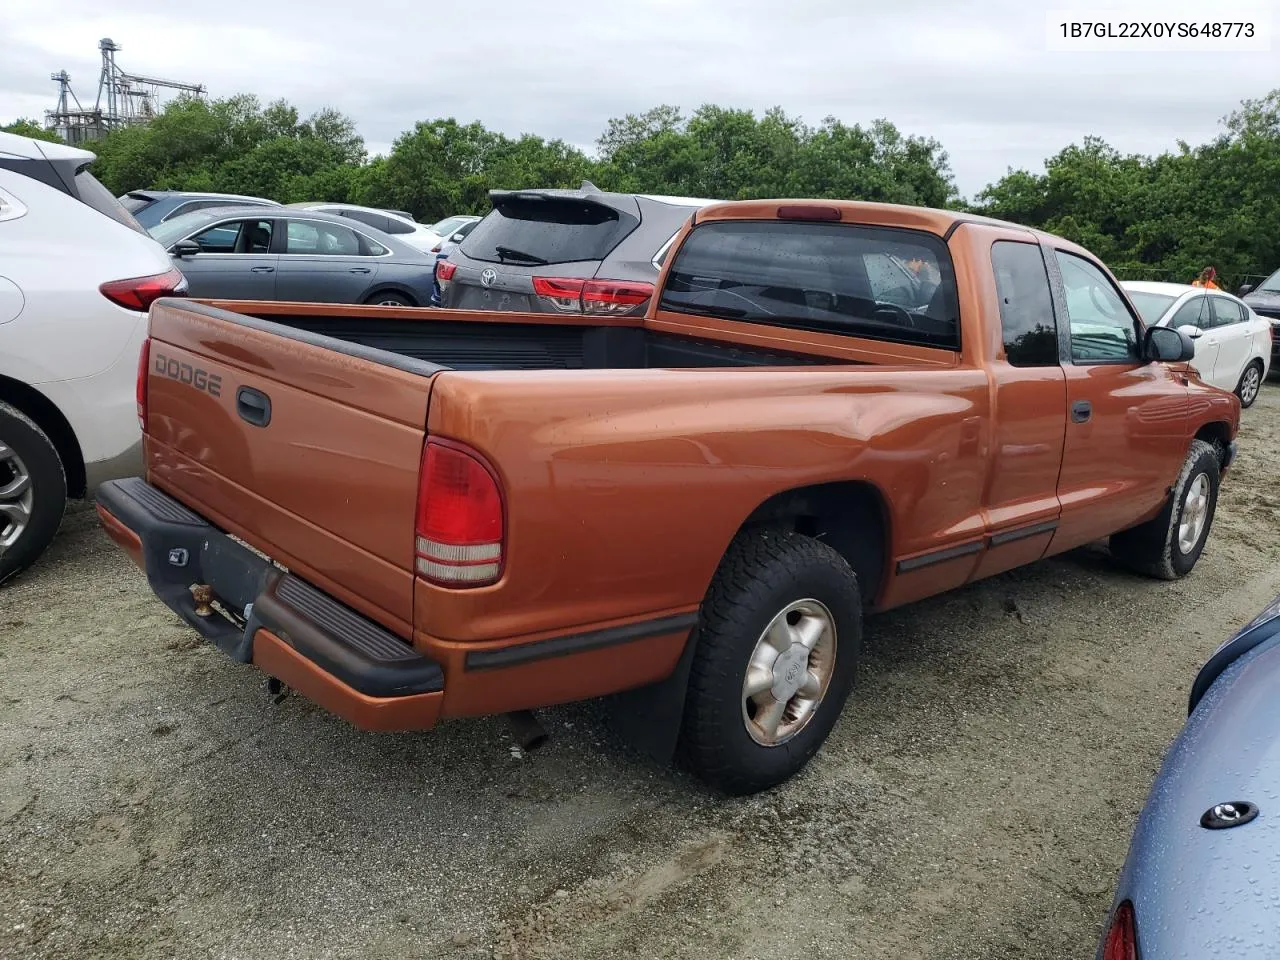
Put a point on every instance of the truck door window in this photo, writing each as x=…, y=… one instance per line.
x=1102, y=328
x=881, y=283
x=1026, y=305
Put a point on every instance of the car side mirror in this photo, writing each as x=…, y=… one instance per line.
x=1165, y=345
x=1191, y=330
x=185, y=248
x=1245, y=288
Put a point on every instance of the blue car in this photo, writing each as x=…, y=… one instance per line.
x=1202, y=879
x=442, y=251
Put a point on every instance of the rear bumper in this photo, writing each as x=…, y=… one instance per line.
x=348, y=664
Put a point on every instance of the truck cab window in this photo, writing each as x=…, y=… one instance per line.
x=1026, y=305
x=1102, y=328
x=880, y=283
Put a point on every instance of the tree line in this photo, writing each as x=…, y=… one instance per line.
x=1160, y=217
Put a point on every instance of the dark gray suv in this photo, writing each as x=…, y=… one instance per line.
x=564, y=251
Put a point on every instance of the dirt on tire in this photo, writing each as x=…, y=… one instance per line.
x=975, y=799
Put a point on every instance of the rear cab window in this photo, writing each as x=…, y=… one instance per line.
x=880, y=283
x=539, y=230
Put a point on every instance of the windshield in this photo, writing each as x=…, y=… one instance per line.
x=171, y=231
x=1151, y=305
x=1271, y=284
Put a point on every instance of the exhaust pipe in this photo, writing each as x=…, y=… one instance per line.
x=526, y=729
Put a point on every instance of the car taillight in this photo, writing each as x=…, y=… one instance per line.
x=593, y=297
x=458, y=530
x=138, y=293
x=140, y=391
x=445, y=270
x=1122, y=938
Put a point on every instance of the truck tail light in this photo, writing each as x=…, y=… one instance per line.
x=459, y=524
x=445, y=270
x=138, y=293
x=140, y=390
x=1122, y=938
x=593, y=297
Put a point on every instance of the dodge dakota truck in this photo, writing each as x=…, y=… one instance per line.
x=827, y=409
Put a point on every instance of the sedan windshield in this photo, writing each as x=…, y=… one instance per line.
x=1151, y=305
x=1271, y=284
x=171, y=231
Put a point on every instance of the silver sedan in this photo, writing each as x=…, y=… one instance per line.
x=232, y=253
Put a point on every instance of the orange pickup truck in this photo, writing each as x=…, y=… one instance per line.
x=827, y=409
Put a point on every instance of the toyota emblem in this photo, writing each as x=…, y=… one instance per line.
x=487, y=276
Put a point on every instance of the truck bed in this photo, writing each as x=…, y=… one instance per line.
x=476, y=340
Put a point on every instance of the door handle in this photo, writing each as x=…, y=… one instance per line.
x=359, y=270
x=1081, y=411
x=254, y=406
x=263, y=270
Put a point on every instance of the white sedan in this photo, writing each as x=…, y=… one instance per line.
x=1233, y=344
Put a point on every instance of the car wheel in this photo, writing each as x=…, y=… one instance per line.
x=33, y=491
x=777, y=648
x=1169, y=546
x=1250, y=384
x=390, y=300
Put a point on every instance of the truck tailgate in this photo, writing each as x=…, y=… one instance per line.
x=306, y=447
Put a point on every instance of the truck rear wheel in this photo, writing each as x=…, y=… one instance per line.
x=33, y=491
x=777, y=648
x=1168, y=546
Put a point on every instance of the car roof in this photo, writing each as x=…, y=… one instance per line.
x=282, y=211
x=198, y=195
x=1157, y=286
x=28, y=148
x=317, y=204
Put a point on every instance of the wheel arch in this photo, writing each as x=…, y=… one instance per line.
x=56, y=427
x=1217, y=434
x=851, y=516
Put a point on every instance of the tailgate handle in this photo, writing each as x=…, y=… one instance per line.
x=254, y=406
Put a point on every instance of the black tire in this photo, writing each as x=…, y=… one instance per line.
x=35, y=457
x=760, y=575
x=1247, y=387
x=1153, y=547
x=389, y=298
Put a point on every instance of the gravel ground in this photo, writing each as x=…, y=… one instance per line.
x=975, y=800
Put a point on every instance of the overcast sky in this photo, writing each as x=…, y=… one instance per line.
x=976, y=76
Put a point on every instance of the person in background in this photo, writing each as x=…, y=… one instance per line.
x=1206, y=279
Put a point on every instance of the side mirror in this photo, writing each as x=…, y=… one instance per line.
x=1191, y=330
x=1164, y=345
x=185, y=248
x=1245, y=288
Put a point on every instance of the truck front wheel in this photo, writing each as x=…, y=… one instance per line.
x=1168, y=546
x=777, y=648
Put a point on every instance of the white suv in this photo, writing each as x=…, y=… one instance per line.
x=77, y=275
